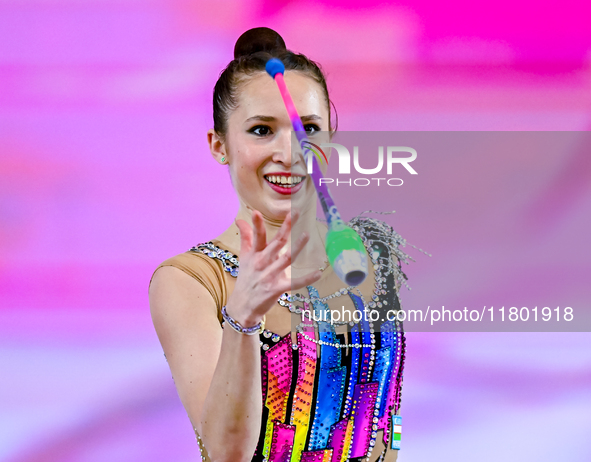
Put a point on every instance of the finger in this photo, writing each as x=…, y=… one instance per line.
x=285, y=260
x=260, y=233
x=295, y=215
x=299, y=245
x=245, y=236
x=306, y=280
x=280, y=238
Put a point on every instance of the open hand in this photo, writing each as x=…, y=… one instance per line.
x=262, y=277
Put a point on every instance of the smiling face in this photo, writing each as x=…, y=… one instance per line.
x=258, y=143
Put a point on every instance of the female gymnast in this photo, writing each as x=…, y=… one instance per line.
x=274, y=358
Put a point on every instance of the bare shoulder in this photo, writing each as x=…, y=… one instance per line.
x=169, y=283
x=181, y=306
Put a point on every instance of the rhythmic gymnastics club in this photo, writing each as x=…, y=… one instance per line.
x=344, y=248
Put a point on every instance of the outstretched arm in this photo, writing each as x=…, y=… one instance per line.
x=217, y=371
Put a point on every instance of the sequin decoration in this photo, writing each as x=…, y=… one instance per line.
x=391, y=399
x=331, y=380
x=367, y=338
x=264, y=375
x=280, y=438
x=303, y=395
x=364, y=399
x=229, y=261
x=381, y=374
x=326, y=399
x=323, y=455
x=279, y=375
x=388, y=392
x=340, y=439
x=354, y=354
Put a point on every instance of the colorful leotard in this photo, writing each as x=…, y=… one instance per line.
x=327, y=397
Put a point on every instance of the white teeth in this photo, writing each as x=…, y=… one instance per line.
x=284, y=181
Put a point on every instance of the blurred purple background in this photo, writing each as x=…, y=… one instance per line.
x=104, y=107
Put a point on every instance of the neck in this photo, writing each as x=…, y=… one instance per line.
x=312, y=255
x=272, y=225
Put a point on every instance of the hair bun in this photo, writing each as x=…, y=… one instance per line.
x=258, y=39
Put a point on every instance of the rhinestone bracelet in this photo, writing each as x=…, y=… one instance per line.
x=256, y=329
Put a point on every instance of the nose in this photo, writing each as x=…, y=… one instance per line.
x=287, y=150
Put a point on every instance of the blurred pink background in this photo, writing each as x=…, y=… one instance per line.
x=104, y=107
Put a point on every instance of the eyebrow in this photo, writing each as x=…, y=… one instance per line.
x=272, y=119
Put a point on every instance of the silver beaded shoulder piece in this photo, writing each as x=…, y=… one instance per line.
x=377, y=233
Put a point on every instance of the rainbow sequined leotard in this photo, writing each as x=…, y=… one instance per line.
x=329, y=398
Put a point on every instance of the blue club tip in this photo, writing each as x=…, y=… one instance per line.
x=274, y=66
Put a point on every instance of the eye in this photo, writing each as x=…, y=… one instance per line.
x=311, y=128
x=260, y=130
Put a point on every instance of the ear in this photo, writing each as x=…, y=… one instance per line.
x=217, y=147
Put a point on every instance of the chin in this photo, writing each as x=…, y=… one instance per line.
x=279, y=212
x=277, y=209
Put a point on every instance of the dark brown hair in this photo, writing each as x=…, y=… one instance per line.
x=252, y=51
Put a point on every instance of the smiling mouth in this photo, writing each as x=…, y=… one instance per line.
x=284, y=181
